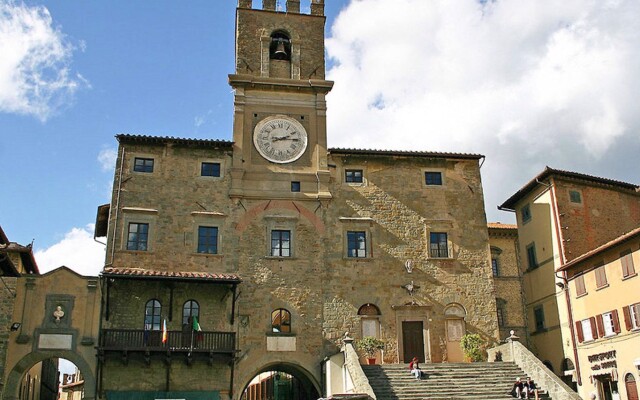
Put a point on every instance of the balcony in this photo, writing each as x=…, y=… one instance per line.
x=148, y=343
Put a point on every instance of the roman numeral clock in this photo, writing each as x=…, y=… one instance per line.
x=280, y=139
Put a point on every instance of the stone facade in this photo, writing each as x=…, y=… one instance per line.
x=376, y=243
x=507, y=277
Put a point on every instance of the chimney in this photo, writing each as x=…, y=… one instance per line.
x=269, y=5
x=317, y=7
x=245, y=4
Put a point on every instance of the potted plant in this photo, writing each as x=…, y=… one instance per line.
x=369, y=346
x=472, y=347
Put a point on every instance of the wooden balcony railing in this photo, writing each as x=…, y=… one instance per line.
x=177, y=341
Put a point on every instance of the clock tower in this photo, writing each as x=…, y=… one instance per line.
x=279, y=121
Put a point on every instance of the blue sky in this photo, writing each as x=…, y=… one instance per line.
x=526, y=83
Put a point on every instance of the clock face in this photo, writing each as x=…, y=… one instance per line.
x=280, y=139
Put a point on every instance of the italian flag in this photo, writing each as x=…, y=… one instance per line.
x=196, y=325
x=164, y=332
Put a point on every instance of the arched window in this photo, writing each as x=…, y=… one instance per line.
x=280, y=47
x=281, y=321
x=152, y=312
x=370, y=320
x=567, y=365
x=190, y=309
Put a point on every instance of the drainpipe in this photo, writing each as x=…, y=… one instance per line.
x=563, y=260
x=115, y=217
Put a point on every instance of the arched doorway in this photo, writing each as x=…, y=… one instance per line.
x=455, y=329
x=41, y=373
x=630, y=385
x=281, y=382
x=569, y=373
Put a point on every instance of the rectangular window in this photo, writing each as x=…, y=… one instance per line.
x=601, y=276
x=280, y=243
x=208, y=239
x=587, y=332
x=295, y=186
x=634, y=316
x=143, y=165
x=433, y=178
x=531, y=256
x=438, y=246
x=494, y=267
x=575, y=197
x=501, y=322
x=609, y=324
x=353, y=176
x=210, y=169
x=628, y=269
x=581, y=289
x=356, y=244
x=137, y=236
x=526, y=213
x=538, y=315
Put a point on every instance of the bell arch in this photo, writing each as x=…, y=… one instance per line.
x=12, y=386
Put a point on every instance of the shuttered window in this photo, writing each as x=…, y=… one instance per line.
x=632, y=316
x=628, y=269
x=581, y=289
x=601, y=276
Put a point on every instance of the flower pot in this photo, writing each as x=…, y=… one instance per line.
x=371, y=361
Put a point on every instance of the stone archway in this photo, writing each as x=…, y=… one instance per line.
x=12, y=386
x=304, y=384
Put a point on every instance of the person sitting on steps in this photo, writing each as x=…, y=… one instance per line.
x=414, y=367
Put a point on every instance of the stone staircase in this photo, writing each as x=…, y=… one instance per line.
x=448, y=381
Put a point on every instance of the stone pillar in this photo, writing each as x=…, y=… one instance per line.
x=317, y=7
x=269, y=5
x=244, y=4
x=293, y=6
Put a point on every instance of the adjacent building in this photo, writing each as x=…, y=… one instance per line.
x=605, y=306
x=562, y=215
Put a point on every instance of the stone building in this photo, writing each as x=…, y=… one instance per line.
x=228, y=261
x=562, y=215
x=604, y=288
x=507, y=278
x=15, y=261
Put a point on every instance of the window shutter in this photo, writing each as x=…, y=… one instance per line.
x=600, y=324
x=579, y=331
x=625, y=266
x=627, y=317
x=594, y=327
x=616, y=321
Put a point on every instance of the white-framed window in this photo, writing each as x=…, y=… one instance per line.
x=587, y=332
x=632, y=316
x=608, y=324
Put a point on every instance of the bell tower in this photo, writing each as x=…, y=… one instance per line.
x=279, y=125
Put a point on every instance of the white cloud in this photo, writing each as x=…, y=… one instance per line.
x=107, y=158
x=35, y=78
x=77, y=251
x=528, y=84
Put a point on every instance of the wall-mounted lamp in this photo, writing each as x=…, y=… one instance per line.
x=15, y=326
x=408, y=265
x=560, y=285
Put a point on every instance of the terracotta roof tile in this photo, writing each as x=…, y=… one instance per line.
x=600, y=249
x=406, y=153
x=186, y=275
x=499, y=225
x=126, y=138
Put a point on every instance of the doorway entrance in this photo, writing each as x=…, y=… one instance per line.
x=606, y=387
x=413, y=340
x=632, y=388
x=455, y=328
x=280, y=382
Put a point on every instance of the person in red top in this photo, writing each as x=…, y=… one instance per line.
x=414, y=367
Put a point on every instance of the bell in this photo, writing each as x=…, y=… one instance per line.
x=280, y=53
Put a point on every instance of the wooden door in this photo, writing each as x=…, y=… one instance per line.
x=632, y=388
x=413, y=341
x=455, y=331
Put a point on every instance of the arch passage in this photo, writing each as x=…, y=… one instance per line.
x=281, y=382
